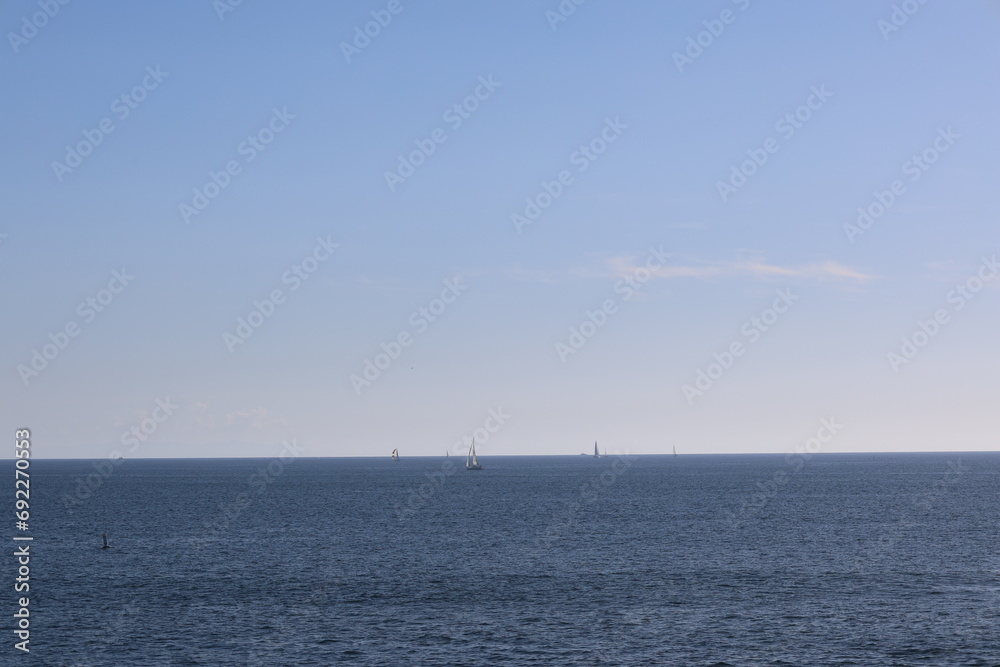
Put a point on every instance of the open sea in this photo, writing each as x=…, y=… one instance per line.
x=833, y=559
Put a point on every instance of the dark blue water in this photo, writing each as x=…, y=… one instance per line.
x=693, y=560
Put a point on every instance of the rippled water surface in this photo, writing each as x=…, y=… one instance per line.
x=689, y=560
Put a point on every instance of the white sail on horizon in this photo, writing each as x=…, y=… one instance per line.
x=472, y=462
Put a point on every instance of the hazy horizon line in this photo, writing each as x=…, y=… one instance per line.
x=491, y=456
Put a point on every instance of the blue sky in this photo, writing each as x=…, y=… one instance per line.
x=278, y=74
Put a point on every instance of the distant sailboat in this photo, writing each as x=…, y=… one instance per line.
x=596, y=454
x=472, y=463
x=675, y=450
x=395, y=455
x=446, y=454
x=106, y=545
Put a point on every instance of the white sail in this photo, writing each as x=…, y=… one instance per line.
x=471, y=462
x=596, y=454
x=395, y=455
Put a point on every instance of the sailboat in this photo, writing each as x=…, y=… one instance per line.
x=596, y=454
x=472, y=463
x=675, y=450
x=395, y=455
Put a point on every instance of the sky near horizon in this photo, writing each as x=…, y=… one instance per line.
x=225, y=227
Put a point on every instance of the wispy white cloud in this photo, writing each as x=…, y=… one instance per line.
x=744, y=265
x=755, y=268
